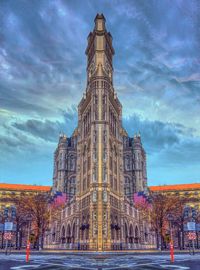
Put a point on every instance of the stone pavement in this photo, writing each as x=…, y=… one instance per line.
x=99, y=261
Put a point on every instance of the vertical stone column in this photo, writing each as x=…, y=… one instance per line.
x=100, y=167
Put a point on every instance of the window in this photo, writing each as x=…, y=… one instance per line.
x=89, y=163
x=127, y=191
x=84, y=166
x=104, y=136
x=104, y=174
x=111, y=181
x=127, y=163
x=71, y=163
x=84, y=184
x=88, y=182
x=94, y=155
x=115, y=183
x=104, y=99
x=94, y=175
x=111, y=165
x=104, y=154
x=186, y=212
x=95, y=137
x=194, y=213
x=116, y=167
x=54, y=235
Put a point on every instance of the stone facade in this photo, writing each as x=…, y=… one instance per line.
x=100, y=167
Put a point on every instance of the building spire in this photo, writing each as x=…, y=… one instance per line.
x=99, y=22
x=99, y=50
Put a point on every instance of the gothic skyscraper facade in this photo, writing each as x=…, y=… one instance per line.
x=99, y=167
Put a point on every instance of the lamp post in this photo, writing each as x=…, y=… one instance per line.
x=29, y=219
x=170, y=219
x=112, y=226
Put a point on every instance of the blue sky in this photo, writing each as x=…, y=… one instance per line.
x=43, y=77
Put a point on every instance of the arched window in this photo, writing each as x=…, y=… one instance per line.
x=54, y=235
x=73, y=232
x=72, y=186
x=84, y=184
x=146, y=234
x=126, y=232
x=88, y=163
x=63, y=235
x=84, y=166
x=136, y=235
x=104, y=174
x=131, y=234
x=71, y=163
x=94, y=177
x=127, y=163
x=127, y=186
x=115, y=183
x=111, y=163
x=68, y=234
x=111, y=181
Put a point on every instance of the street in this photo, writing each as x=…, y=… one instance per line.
x=99, y=261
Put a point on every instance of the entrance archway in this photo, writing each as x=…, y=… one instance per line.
x=68, y=234
x=136, y=235
x=63, y=238
x=126, y=233
x=73, y=233
x=131, y=236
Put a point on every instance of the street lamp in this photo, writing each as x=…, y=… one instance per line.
x=170, y=219
x=29, y=219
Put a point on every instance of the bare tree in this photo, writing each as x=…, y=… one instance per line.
x=42, y=210
x=163, y=205
x=36, y=208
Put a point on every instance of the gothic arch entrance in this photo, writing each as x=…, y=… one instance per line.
x=126, y=233
x=136, y=234
x=63, y=238
x=131, y=236
x=68, y=234
x=73, y=233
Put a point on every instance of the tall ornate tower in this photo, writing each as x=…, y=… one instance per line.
x=99, y=179
x=100, y=167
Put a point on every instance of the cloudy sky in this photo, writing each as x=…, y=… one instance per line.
x=43, y=76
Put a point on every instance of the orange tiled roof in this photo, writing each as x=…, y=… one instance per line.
x=175, y=187
x=24, y=187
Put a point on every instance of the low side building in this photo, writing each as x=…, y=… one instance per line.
x=8, y=192
x=191, y=195
x=8, y=195
x=190, y=192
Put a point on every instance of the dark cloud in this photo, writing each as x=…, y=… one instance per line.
x=173, y=139
x=155, y=135
x=49, y=130
x=43, y=77
x=172, y=150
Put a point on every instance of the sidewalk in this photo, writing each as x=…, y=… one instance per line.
x=91, y=252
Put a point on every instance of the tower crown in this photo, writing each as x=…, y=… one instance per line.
x=99, y=50
x=99, y=22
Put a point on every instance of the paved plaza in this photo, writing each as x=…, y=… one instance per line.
x=103, y=261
